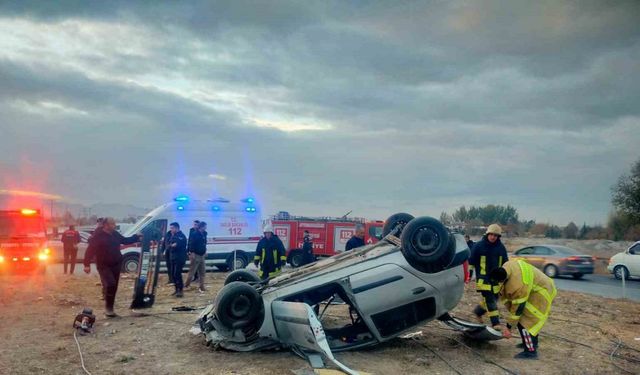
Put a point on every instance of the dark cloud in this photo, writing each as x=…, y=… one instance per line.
x=425, y=106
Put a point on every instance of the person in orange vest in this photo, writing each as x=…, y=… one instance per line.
x=528, y=294
x=70, y=240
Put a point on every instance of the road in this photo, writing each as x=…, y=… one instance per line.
x=600, y=285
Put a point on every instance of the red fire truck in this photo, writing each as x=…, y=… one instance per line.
x=329, y=235
x=23, y=241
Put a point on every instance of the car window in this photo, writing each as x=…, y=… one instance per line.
x=525, y=251
x=375, y=232
x=539, y=250
x=635, y=249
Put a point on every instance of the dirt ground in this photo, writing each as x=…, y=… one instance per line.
x=37, y=338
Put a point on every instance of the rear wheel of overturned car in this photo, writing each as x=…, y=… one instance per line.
x=238, y=305
x=130, y=263
x=551, y=271
x=427, y=245
x=400, y=219
x=242, y=275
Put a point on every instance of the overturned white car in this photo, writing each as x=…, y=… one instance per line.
x=412, y=276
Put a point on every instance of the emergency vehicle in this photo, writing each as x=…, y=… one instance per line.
x=23, y=241
x=329, y=235
x=233, y=230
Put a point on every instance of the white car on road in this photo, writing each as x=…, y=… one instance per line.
x=626, y=263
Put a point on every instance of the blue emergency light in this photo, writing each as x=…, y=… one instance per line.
x=180, y=208
x=181, y=198
x=248, y=200
x=250, y=209
x=216, y=208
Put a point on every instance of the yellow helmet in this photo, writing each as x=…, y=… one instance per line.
x=494, y=229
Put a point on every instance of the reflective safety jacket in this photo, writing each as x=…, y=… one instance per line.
x=485, y=257
x=271, y=256
x=527, y=294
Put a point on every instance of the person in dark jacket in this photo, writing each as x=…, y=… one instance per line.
x=194, y=228
x=270, y=254
x=105, y=246
x=70, y=240
x=357, y=240
x=488, y=254
x=198, y=247
x=307, y=248
x=470, y=246
x=176, y=245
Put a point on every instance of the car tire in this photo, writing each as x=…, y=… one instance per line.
x=617, y=272
x=296, y=258
x=130, y=263
x=395, y=220
x=427, y=245
x=577, y=276
x=243, y=276
x=551, y=271
x=240, y=259
x=238, y=305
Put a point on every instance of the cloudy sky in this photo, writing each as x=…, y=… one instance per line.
x=322, y=107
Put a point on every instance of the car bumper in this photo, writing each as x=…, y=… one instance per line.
x=583, y=269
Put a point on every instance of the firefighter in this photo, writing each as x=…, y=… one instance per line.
x=528, y=294
x=70, y=240
x=488, y=253
x=307, y=248
x=357, y=240
x=105, y=245
x=270, y=254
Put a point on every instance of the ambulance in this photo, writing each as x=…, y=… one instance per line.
x=233, y=230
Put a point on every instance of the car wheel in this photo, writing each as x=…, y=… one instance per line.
x=577, y=276
x=296, y=258
x=130, y=263
x=238, y=305
x=242, y=275
x=618, y=272
x=427, y=245
x=240, y=262
x=393, y=221
x=551, y=271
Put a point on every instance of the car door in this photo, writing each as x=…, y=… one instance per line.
x=540, y=255
x=633, y=263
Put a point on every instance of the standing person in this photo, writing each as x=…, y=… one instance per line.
x=488, y=254
x=176, y=244
x=199, y=250
x=167, y=256
x=528, y=294
x=470, y=244
x=105, y=246
x=70, y=240
x=357, y=240
x=307, y=248
x=194, y=228
x=270, y=254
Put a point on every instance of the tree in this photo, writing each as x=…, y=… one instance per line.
x=570, y=231
x=445, y=218
x=626, y=193
x=488, y=214
x=553, y=231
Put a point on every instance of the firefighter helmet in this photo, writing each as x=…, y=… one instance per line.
x=494, y=229
x=267, y=228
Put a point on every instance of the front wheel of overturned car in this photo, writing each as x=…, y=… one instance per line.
x=242, y=275
x=130, y=263
x=400, y=219
x=427, y=245
x=238, y=305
